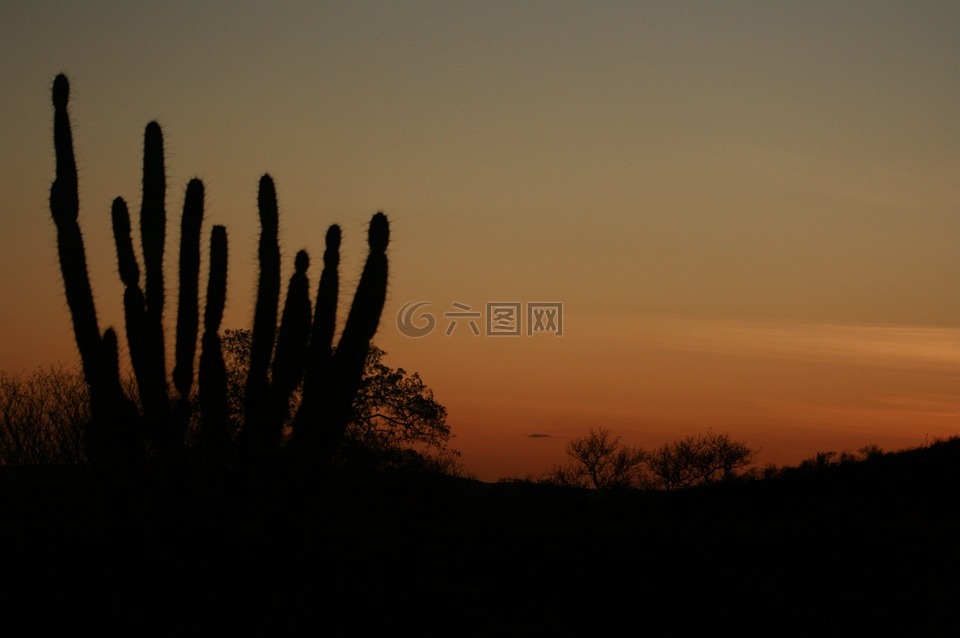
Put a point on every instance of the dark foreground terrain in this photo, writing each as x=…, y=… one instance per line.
x=859, y=548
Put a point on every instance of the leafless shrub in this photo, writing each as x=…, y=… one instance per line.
x=695, y=460
x=42, y=417
x=600, y=461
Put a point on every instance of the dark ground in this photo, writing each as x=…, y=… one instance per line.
x=864, y=548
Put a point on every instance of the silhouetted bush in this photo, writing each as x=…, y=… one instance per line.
x=600, y=461
x=697, y=460
x=395, y=423
x=42, y=417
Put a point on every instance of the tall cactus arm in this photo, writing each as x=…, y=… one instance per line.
x=153, y=219
x=133, y=302
x=153, y=224
x=212, y=376
x=154, y=394
x=188, y=312
x=289, y=359
x=112, y=437
x=264, y=325
x=64, y=207
x=294, y=334
x=268, y=287
x=361, y=326
x=325, y=313
x=317, y=369
x=188, y=306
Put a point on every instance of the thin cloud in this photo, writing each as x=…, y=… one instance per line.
x=884, y=346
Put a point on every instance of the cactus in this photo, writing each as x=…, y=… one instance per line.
x=143, y=307
x=253, y=437
x=113, y=440
x=110, y=429
x=303, y=352
x=143, y=310
x=291, y=354
x=133, y=300
x=212, y=379
x=64, y=207
x=333, y=376
x=361, y=326
x=188, y=307
x=268, y=409
x=318, y=373
x=118, y=431
x=154, y=394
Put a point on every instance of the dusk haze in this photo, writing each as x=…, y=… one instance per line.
x=664, y=219
x=480, y=319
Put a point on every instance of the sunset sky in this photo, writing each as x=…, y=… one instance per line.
x=750, y=211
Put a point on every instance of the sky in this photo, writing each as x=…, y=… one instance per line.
x=747, y=214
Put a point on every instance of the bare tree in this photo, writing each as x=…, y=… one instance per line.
x=696, y=460
x=600, y=461
x=42, y=417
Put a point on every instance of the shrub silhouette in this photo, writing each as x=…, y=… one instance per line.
x=121, y=432
x=42, y=418
x=697, y=460
x=395, y=420
x=598, y=460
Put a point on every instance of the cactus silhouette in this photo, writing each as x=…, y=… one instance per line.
x=154, y=394
x=212, y=378
x=299, y=350
x=143, y=310
x=108, y=434
x=188, y=307
x=253, y=437
x=318, y=373
x=331, y=377
x=119, y=430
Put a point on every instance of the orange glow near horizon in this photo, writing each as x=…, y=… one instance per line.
x=789, y=389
